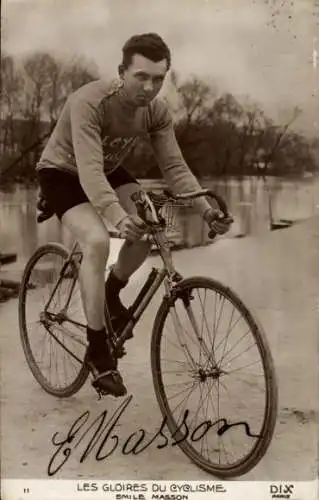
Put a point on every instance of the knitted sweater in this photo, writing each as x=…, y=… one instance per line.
x=97, y=129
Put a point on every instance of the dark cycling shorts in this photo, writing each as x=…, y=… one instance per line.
x=62, y=190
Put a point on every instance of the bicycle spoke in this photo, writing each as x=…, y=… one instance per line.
x=50, y=362
x=64, y=363
x=179, y=347
x=220, y=314
x=217, y=417
x=56, y=355
x=246, y=366
x=42, y=342
x=174, y=361
x=227, y=336
x=177, y=372
x=206, y=414
x=223, y=387
x=230, y=400
x=202, y=327
x=211, y=337
x=174, y=384
x=179, y=333
x=187, y=334
x=199, y=405
x=242, y=352
x=214, y=320
x=229, y=332
x=186, y=398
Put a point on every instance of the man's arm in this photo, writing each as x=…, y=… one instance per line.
x=169, y=156
x=88, y=150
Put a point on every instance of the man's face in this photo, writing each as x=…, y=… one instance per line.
x=143, y=79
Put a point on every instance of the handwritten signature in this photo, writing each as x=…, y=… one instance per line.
x=108, y=441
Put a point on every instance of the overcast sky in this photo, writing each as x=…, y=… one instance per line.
x=256, y=47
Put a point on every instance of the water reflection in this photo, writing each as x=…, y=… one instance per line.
x=254, y=202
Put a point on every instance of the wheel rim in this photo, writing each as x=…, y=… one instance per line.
x=50, y=338
x=228, y=395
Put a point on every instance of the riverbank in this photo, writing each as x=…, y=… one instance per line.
x=277, y=275
x=254, y=203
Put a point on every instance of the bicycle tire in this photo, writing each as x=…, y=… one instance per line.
x=80, y=379
x=270, y=415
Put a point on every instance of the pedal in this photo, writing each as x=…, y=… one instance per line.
x=120, y=352
x=99, y=391
x=105, y=392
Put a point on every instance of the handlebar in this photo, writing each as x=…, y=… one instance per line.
x=148, y=200
x=205, y=192
x=167, y=196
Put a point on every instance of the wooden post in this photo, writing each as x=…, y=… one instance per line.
x=8, y=288
x=7, y=258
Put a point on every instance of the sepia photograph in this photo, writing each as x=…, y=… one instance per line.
x=159, y=249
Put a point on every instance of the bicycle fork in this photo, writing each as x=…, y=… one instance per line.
x=180, y=332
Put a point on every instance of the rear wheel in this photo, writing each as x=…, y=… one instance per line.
x=214, y=377
x=53, y=340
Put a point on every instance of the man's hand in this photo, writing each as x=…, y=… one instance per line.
x=132, y=228
x=217, y=221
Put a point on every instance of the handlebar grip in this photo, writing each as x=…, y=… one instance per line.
x=222, y=207
x=205, y=192
x=220, y=202
x=212, y=233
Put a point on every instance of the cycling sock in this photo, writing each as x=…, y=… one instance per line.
x=95, y=336
x=98, y=349
x=118, y=312
x=116, y=283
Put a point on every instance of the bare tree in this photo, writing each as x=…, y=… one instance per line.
x=250, y=136
x=226, y=108
x=31, y=101
x=54, y=97
x=11, y=88
x=193, y=99
x=224, y=117
x=76, y=73
x=53, y=80
x=36, y=69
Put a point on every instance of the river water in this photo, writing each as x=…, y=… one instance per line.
x=255, y=203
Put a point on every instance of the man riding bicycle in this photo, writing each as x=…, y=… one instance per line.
x=83, y=180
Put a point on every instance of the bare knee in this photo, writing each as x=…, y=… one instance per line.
x=88, y=229
x=96, y=245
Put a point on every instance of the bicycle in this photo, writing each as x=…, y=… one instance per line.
x=195, y=359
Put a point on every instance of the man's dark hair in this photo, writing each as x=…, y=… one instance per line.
x=149, y=45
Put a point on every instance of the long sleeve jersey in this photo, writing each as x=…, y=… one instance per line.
x=96, y=130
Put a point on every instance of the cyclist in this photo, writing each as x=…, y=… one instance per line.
x=82, y=177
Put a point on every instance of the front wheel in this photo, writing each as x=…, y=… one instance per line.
x=214, y=377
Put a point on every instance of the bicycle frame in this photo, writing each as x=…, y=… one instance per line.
x=167, y=274
x=150, y=287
